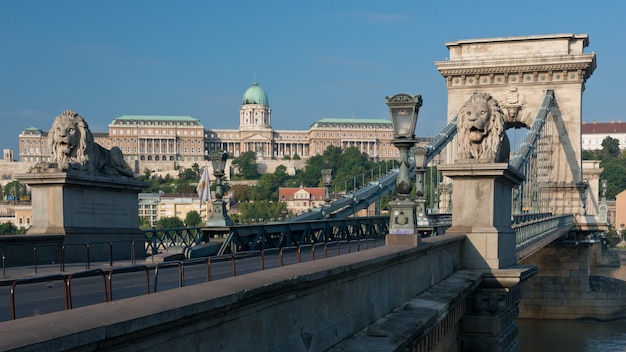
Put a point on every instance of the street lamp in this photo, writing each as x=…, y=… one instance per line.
x=603, y=208
x=419, y=157
x=219, y=217
x=327, y=177
x=403, y=109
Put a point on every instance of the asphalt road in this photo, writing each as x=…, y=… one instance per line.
x=36, y=298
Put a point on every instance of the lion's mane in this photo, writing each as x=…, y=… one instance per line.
x=493, y=144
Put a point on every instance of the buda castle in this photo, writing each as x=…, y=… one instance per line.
x=161, y=142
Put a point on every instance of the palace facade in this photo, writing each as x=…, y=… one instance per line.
x=158, y=142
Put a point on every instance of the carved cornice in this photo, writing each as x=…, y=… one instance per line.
x=512, y=69
x=585, y=65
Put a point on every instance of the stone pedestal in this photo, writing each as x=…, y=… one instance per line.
x=482, y=211
x=489, y=325
x=99, y=210
x=402, y=224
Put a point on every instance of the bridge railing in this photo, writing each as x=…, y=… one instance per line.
x=537, y=228
x=160, y=240
x=278, y=235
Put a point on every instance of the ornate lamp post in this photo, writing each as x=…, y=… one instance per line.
x=327, y=177
x=220, y=215
x=603, y=208
x=419, y=156
x=403, y=109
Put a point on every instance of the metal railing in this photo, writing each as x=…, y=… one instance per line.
x=233, y=258
x=163, y=239
x=539, y=230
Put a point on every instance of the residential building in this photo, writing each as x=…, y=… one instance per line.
x=595, y=132
x=301, y=199
x=180, y=204
x=148, y=207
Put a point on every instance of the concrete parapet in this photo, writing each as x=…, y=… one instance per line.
x=422, y=323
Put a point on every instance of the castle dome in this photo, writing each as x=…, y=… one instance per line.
x=255, y=95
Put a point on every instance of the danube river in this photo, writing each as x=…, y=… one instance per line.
x=575, y=335
x=571, y=336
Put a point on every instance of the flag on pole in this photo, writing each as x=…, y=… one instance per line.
x=204, y=189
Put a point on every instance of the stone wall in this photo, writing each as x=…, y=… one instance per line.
x=565, y=287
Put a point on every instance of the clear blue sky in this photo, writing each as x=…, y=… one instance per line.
x=314, y=59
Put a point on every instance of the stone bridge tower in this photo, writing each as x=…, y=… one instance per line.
x=517, y=71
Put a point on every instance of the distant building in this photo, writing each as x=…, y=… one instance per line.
x=149, y=207
x=8, y=155
x=180, y=204
x=255, y=134
x=156, y=138
x=33, y=144
x=301, y=199
x=160, y=142
x=594, y=133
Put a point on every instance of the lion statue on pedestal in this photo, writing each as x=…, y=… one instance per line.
x=481, y=132
x=72, y=146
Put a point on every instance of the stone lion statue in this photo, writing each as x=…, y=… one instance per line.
x=72, y=147
x=481, y=132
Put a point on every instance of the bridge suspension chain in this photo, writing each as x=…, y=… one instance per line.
x=532, y=159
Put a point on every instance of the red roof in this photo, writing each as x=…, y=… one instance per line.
x=603, y=127
x=288, y=192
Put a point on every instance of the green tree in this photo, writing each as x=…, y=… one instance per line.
x=262, y=210
x=610, y=148
x=311, y=176
x=14, y=189
x=171, y=222
x=144, y=223
x=614, y=172
x=590, y=155
x=193, y=219
x=188, y=174
x=196, y=168
x=266, y=188
x=246, y=166
x=242, y=193
x=7, y=228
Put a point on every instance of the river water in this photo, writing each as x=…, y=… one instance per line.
x=575, y=335
x=571, y=336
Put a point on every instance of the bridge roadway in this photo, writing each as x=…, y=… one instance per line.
x=342, y=292
x=135, y=286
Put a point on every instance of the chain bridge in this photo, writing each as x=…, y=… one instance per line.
x=502, y=231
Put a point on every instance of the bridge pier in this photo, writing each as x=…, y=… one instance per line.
x=482, y=199
x=566, y=287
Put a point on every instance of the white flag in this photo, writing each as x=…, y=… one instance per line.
x=204, y=188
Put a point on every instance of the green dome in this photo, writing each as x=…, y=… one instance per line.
x=255, y=95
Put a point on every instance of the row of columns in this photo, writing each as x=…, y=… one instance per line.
x=260, y=148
